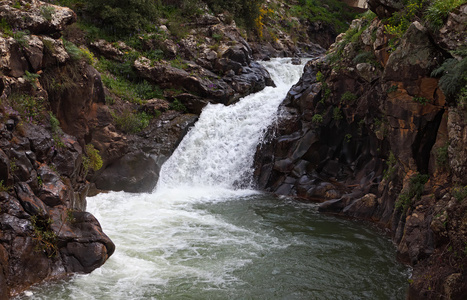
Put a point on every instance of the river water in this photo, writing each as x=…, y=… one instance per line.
x=204, y=233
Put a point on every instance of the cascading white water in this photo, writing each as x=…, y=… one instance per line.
x=199, y=236
x=219, y=150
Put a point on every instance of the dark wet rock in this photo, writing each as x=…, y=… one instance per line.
x=134, y=172
x=52, y=190
x=30, y=202
x=4, y=167
x=360, y=139
x=385, y=8
x=68, y=159
x=41, y=141
x=136, y=167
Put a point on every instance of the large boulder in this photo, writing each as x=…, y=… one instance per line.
x=136, y=169
x=416, y=56
x=36, y=16
x=453, y=34
x=385, y=8
x=134, y=172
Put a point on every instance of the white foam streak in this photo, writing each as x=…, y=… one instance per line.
x=219, y=150
x=164, y=240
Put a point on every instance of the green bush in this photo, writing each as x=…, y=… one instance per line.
x=460, y=193
x=439, y=10
x=47, y=12
x=416, y=187
x=245, y=11
x=317, y=118
x=332, y=12
x=29, y=107
x=122, y=17
x=391, y=164
x=92, y=159
x=348, y=97
x=54, y=123
x=44, y=236
x=132, y=122
x=31, y=77
x=337, y=114
x=453, y=78
x=442, y=156
x=421, y=100
x=178, y=106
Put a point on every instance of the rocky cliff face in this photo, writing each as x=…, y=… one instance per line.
x=369, y=133
x=56, y=113
x=44, y=231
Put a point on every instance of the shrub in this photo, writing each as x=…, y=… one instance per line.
x=3, y=188
x=44, y=235
x=132, y=122
x=179, y=63
x=47, y=12
x=92, y=159
x=348, y=97
x=453, y=78
x=337, y=114
x=442, y=156
x=244, y=11
x=460, y=193
x=392, y=89
x=331, y=12
x=416, y=187
x=122, y=17
x=391, y=163
x=319, y=76
x=54, y=123
x=421, y=100
x=29, y=107
x=439, y=10
x=317, y=118
x=87, y=55
x=178, y=106
x=31, y=77
x=5, y=27
x=20, y=37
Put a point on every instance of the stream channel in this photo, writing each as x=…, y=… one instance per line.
x=205, y=233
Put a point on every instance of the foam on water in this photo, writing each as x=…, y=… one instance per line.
x=219, y=151
x=204, y=233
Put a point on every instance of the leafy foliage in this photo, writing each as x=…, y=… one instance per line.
x=332, y=12
x=337, y=114
x=29, y=107
x=132, y=122
x=438, y=11
x=121, y=17
x=421, y=100
x=244, y=11
x=460, y=193
x=178, y=106
x=391, y=163
x=348, y=97
x=442, y=156
x=453, y=79
x=92, y=159
x=44, y=235
x=317, y=118
x=416, y=187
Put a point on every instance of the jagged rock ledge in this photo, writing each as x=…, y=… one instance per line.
x=378, y=140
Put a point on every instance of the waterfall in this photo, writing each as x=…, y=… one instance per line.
x=204, y=235
x=219, y=150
